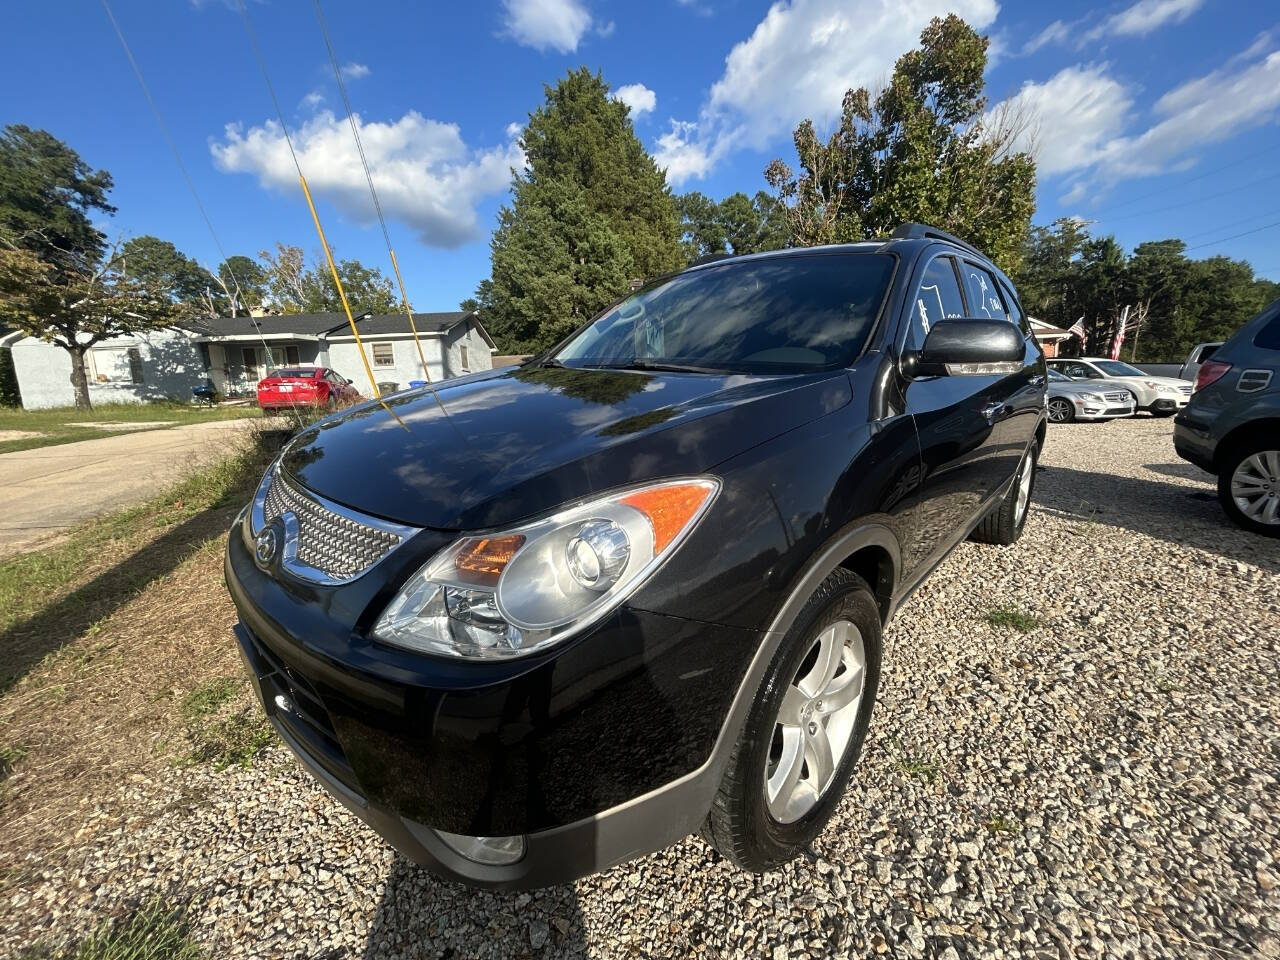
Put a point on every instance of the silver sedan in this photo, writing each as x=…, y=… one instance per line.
x=1071, y=399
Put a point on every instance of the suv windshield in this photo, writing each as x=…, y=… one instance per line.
x=1058, y=375
x=1114, y=368
x=779, y=314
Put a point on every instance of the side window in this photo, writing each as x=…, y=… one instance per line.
x=1015, y=312
x=937, y=299
x=982, y=292
x=1081, y=371
x=1268, y=338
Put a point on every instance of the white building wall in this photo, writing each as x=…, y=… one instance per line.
x=171, y=366
x=478, y=355
x=344, y=357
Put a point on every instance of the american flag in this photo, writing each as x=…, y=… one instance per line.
x=1077, y=329
x=1118, y=341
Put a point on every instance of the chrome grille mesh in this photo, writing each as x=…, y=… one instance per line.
x=337, y=546
x=1186, y=390
x=1121, y=396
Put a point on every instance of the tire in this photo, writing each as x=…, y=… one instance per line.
x=1061, y=410
x=1253, y=470
x=1003, y=525
x=743, y=824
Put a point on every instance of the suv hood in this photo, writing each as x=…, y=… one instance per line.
x=505, y=445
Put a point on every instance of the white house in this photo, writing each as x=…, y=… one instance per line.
x=236, y=352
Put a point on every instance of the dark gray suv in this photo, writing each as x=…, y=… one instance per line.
x=1231, y=427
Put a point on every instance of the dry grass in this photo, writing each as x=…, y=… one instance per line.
x=118, y=679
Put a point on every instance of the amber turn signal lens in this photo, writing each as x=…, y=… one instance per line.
x=669, y=509
x=481, y=560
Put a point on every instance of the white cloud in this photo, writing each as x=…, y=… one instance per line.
x=1085, y=121
x=426, y=176
x=547, y=24
x=312, y=100
x=1137, y=20
x=1209, y=109
x=797, y=63
x=355, y=71
x=1071, y=116
x=1146, y=16
x=638, y=97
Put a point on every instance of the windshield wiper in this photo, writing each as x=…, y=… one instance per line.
x=659, y=365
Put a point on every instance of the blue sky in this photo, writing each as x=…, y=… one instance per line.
x=1158, y=118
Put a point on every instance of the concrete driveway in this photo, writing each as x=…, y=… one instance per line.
x=46, y=491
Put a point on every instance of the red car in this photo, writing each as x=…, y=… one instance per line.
x=305, y=387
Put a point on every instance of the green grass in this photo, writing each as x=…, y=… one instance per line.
x=155, y=931
x=1003, y=824
x=1012, y=618
x=59, y=425
x=221, y=737
x=920, y=767
x=28, y=580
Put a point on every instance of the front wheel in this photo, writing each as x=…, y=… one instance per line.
x=803, y=736
x=1003, y=525
x=1060, y=410
x=1249, y=488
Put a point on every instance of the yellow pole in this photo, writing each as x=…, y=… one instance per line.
x=377, y=394
x=408, y=312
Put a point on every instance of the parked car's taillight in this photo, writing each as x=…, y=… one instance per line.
x=1211, y=371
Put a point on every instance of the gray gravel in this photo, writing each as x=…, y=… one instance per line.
x=1101, y=785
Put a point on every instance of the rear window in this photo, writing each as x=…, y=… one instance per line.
x=780, y=314
x=305, y=373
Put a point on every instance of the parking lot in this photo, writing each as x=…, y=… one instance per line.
x=1074, y=755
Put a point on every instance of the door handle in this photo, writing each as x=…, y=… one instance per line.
x=993, y=410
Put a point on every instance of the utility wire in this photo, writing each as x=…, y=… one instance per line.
x=1236, y=236
x=368, y=176
x=1240, y=223
x=177, y=156
x=1199, y=176
x=1192, y=202
x=306, y=191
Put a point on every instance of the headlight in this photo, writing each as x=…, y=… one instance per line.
x=1153, y=385
x=513, y=592
x=1093, y=397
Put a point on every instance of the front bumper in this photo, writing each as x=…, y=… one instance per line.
x=1167, y=403
x=1091, y=410
x=596, y=753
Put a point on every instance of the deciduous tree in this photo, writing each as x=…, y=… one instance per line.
x=922, y=149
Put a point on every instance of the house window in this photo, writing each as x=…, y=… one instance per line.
x=116, y=364
x=249, y=358
x=135, y=364
x=384, y=355
x=286, y=356
x=205, y=358
x=462, y=353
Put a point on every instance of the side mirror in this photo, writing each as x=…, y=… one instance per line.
x=972, y=348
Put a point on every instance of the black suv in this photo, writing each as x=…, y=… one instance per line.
x=540, y=620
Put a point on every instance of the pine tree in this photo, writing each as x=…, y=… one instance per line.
x=591, y=212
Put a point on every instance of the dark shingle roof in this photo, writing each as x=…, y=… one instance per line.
x=315, y=324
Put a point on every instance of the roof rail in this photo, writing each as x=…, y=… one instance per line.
x=710, y=258
x=922, y=231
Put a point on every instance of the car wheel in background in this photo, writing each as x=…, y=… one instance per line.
x=1061, y=410
x=1249, y=487
x=805, y=730
x=1003, y=525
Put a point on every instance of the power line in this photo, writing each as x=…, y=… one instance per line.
x=306, y=191
x=368, y=176
x=1239, y=223
x=1193, y=202
x=1200, y=176
x=1236, y=236
x=195, y=194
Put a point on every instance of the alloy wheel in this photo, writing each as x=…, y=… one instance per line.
x=1059, y=410
x=1025, y=473
x=815, y=722
x=1255, y=487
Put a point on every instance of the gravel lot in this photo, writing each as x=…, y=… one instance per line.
x=1103, y=784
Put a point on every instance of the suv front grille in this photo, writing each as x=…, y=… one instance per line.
x=324, y=542
x=1186, y=390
